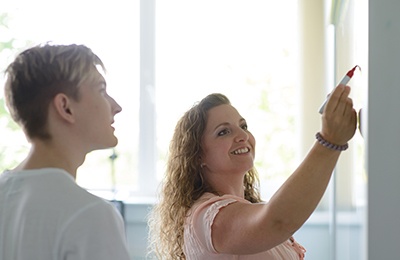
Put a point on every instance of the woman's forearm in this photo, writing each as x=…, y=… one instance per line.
x=298, y=197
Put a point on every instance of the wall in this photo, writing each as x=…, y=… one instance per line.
x=136, y=229
x=383, y=141
x=312, y=235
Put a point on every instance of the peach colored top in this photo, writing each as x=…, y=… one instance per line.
x=197, y=234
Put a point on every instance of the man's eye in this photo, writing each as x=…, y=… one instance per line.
x=103, y=91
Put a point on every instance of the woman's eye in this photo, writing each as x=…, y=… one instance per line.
x=223, y=132
x=244, y=127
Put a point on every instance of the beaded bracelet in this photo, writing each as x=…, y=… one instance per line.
x=329, y=145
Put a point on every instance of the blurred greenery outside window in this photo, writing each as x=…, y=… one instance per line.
x=255, y=80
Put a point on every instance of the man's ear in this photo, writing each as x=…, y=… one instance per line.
x=63, y=107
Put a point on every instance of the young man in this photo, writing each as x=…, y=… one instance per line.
x=57, y=94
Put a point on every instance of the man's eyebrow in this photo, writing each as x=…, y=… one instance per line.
x=102, y=82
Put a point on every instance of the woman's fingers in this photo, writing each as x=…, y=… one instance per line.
x=338, y=100
x=339, y=119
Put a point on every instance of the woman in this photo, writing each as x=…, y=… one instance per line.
x=210, y=207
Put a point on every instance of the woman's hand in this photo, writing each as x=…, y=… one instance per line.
x=339, y=119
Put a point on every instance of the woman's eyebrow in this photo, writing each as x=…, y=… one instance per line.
x=241, y=120
x=222, y=124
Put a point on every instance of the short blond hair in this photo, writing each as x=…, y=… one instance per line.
x=38, y=74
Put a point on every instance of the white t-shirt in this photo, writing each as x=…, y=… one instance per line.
x=45, y=215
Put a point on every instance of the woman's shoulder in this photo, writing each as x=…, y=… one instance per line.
x=215, y=201
x=209, y=197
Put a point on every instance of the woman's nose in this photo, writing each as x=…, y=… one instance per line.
x=241, y=135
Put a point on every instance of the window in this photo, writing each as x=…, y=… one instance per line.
x=111, y=30
x=241, y=53
x=236, y=48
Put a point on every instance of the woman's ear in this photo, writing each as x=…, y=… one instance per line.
x=202, y=164
x=62, y=105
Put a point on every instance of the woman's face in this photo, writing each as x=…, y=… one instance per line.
x=228, y=147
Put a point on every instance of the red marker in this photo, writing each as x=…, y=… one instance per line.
x=344, y=81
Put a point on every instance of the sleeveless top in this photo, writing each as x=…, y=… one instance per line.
x=198, y=240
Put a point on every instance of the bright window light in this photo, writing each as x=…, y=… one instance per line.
x=243, y=49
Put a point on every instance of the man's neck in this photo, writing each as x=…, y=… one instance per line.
x=47, y=155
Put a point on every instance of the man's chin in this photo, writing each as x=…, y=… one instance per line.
x=107, y=145
x=113, y=143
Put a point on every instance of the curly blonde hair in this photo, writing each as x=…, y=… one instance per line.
x=183, y=183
